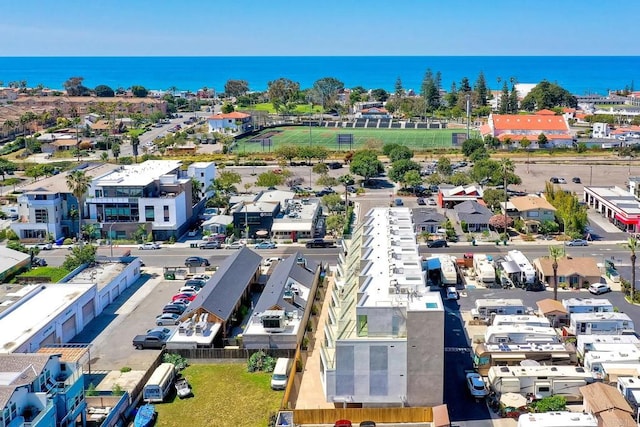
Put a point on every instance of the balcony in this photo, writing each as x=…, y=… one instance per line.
x=33, y=414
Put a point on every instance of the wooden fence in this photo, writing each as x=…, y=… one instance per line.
x=229, y=353
x=357, y=415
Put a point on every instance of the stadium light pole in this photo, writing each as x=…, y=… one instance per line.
x=468, y=99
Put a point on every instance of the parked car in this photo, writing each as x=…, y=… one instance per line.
x=44, y=246
x=431, y=202
x=554, y=180
x=196, y=283
x=476, y=385
x=189, y=290
x=167, y=319
x=266, y=245
x=187, y=297
x=210, y=245
x=319, y=243
x=421, y=201
x=149, y=246
x=577, y=242
x=599, y=288
x=38, y=262
x=334, y=165
x=202, y=277
x=174, y=308
x=562, y=181
x=440, y=243
x=576, y=180
x=452, y=293
x=398, y=202
x=235, y=245
x=196, y=261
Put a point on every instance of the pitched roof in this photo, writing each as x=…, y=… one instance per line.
x=18, y=369
x=472, y=212
x=527, y=203
x=223, y=291
x=580, y=266
x=232, y=115
x=600, y=397
x=615, y=418
x=548, y=305
x=545, y=112
x=422, y=215
x=273, y=293
x=529, y=122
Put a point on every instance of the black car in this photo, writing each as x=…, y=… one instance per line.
x=174, y=308
x=196, y=261
x=320, y=243
x=421, y=201
x=437, y=244
x=576, y=180
x=38, y=262
x=334, y=165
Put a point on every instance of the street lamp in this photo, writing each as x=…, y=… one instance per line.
x=110, y=240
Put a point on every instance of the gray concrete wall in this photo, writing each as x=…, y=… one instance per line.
x=425, y=358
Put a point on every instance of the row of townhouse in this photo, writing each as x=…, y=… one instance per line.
x=156, y=194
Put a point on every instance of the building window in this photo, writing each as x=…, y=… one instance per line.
x=166, y=213
x=98, y=193
x=41, y=216
x=363, y=327
x=149, y=213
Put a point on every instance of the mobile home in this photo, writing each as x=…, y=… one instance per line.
x=488, y=355
x=586, y=343
x=587, y=305
x=600, y=324
x=520, y=334
x=540, y=381
x=629, y=387
x=527, y=320
x=485, y=272
x=485, y=308
x=448, y=272
x=624, y=355
x=558, y=419
x=518, y=268
x=159, y=385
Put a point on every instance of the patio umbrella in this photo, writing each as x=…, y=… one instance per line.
x=513, y=400
x=262, y=233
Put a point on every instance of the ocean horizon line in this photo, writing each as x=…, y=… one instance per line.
x=319, y=56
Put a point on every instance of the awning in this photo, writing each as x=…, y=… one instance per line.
x=511, y=356
x=561, y=356
x=432, y=263
x=625, y=220
x=510, y=267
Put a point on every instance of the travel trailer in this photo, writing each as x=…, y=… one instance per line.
x=483, y=266
x=587, y=305
x=448, y=272
x=520, y=334
x=600, y=324
x=527, y=320
x=558, y=419
x=629, y=387
x=518, y=268
x=540, y=381
x=623, y=355
x=488, y=355
x=586, y=343
x=485, y=308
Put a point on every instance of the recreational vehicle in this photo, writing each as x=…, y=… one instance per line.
x=488, y=355
x=448, y=273
x=520, y=334
x=600, y=324
x=159, y=383
x=558, y=419
x=527, y=320
x=518, y=268
x=587, y=343
x=628, y=355
x=629, y=387
x=485, y=272
x=540, y=381
x=485, y=308
x=587, y=305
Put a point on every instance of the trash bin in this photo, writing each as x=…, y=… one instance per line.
x=170, y=275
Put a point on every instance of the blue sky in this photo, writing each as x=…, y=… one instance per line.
x=327, y=27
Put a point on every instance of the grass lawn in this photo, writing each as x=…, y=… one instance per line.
x=418, y=139
x=224, y=395
x=269, y=108
x=56, y=273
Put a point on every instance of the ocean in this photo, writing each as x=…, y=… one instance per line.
x=579, y=74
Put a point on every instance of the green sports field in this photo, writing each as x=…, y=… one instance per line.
x=417, y=139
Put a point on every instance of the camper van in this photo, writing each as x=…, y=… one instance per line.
x=280, y=373
x=448, y=272
x=540, y=381
x=518, y=268
x=485, y=308
x=159, y=385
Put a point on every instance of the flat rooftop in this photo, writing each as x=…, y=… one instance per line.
x=58, y=183
x=101, y=274
x=139, y=175
x=37, y=306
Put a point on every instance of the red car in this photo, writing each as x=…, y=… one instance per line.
x=183, y=297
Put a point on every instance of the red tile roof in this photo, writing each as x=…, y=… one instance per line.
x=568, y=110
x=233, y=115
x=534, y=122
x=533, y=138
x=546, y=112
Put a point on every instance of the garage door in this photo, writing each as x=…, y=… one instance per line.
x=87, y=312
x=50, y=339
x=69, y=329
x=104, y=301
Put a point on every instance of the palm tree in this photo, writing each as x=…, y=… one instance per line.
x=632, y=245
x=78, y=184
x=555, y=253
x=346, y=180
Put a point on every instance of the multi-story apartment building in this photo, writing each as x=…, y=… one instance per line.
x=384, y=337
x=40, y=390
x=156, y=194
x=81, y=105
x=47, y=207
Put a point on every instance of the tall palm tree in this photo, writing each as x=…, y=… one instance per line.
x=632, y=245
x=346, y=180
x=78, y=184
x=555, y=253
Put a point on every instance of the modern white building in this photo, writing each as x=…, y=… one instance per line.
x=384, y=336
x=204, y=173
x=156, y=195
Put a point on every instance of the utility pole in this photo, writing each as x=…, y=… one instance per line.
x=468, y=99
x=504, y=171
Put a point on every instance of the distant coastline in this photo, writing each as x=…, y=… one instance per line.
x=579, y=74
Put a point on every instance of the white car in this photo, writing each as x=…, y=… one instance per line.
x=235, y=245
x=167, y=319
x=149, y=246
x=44, y=246
x=599, y=288
x=476, y=385
x=188, y=290
x=452, y=293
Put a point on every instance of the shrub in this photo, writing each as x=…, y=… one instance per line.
x=91, y=390
x=178, y=361
x=261, y=361
x=117, y=390
x=549, y=404
x=68, y=241
x=11, y=235
x=125, y=369
x=309, y=326
x=314, y=309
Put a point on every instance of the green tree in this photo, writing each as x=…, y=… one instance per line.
x=513, y=100
x=78, y=184
x=400, y=167
x=443, y=167
x=542, y=140
x=346, y=180
x=282, y=91
x=236, y=88
x=365, y=163
x=115, y=151
x=401, y=152
x=471, y=145
x=74, y=87
x=288, y=152
x=399, y=90
x=380, y=95
x=7, y=167
x=481, y=90
x=335, y=224
x=412, y=179
x=104, y=91
x=333, y=202
x=320, y=169
x=525, y=143
x=269, y=179
x=227, y=108
x=548, y=95
x=81, y=254
x=493, y=198
x=226, y=182
x=430, y=91
x=503, y=105
x=325, y=90
x=555, y=253
x=139, y=91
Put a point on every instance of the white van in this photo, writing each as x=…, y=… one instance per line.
x=280, y=373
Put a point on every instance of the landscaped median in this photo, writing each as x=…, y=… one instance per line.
x=223, y=395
